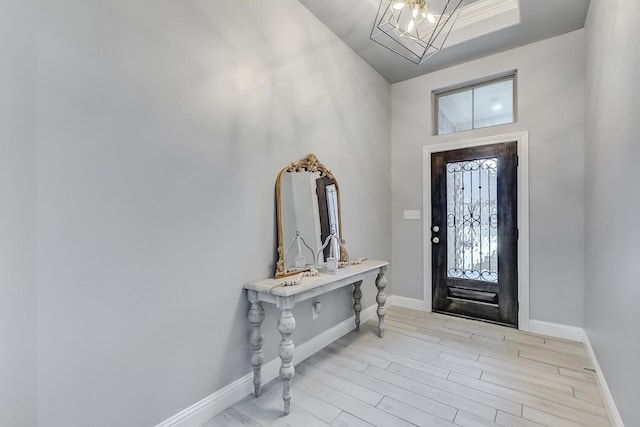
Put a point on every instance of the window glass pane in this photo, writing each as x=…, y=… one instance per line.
x=455, y=112
x=493, y=104
x=477, y=105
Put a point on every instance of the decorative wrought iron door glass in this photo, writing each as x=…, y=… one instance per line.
x=472, y=220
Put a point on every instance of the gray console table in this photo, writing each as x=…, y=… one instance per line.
x=285, y=297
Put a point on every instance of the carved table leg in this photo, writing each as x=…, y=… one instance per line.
x=256, y=316
x=286, y=325
x=357, y=307
x=381, y=283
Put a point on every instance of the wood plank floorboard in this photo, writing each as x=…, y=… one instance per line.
x=347, y=420
x=408, y=397
x=436, y=370
x=545, y=380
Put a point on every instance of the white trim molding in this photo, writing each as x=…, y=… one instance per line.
x=609, y=404
x=412, y=303
x=556, y=330
x=522, y=138
x=207, y=408
x=575, y=333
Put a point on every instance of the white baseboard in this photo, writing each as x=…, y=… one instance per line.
x=610, y=405
x=202, y=411
x=556, y=330
x=412, y=303
x=575, y=333
x=210, y=406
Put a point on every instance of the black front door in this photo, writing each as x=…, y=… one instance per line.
x=474, y=232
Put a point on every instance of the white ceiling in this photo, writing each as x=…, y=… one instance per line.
x=352, y=20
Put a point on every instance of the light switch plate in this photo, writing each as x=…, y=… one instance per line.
x=412, y=214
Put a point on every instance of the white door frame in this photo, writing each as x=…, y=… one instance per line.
x=522, y=139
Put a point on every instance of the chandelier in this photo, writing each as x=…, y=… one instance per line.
x=414, y=29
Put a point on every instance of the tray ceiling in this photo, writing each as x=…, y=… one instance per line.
x=485, y=27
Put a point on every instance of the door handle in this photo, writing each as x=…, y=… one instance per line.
x=436, y=240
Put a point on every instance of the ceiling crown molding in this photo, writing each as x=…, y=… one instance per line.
x=484, y=9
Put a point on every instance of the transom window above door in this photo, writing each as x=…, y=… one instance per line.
x=475, y=105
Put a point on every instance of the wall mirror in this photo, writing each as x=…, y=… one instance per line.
x=308, y=212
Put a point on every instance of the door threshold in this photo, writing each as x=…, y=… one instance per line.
x=462, y=316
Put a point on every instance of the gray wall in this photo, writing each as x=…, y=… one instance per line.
x=612, y=294
x=550, y=107
x=17, y=215
x=153, y=132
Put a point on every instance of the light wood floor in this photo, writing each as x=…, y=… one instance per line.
x=433, y=370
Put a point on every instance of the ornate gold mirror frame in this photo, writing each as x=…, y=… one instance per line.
x=308, y=164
